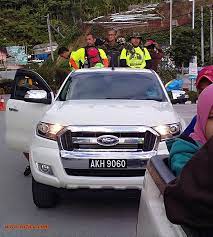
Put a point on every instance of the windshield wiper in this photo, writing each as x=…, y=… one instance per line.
x=117, y=98
x=156, y=99
x=133, y=98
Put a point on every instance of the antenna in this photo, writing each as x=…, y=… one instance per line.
x=113, y=61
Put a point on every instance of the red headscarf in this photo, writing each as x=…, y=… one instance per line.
x=206, y=72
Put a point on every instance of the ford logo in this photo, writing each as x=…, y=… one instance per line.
x=107, y=140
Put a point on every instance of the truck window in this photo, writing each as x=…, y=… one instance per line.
x=113, y=85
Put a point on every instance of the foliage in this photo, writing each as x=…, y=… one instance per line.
x=167, y=74
x=182, y=50
x=193, y=96
x=31, y=18
x=183, y=36
x=23, y=22
x=53, y=72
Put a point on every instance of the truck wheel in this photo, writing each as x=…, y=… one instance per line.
x=44, y=196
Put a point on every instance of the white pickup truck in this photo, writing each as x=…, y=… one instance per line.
x=98, y=132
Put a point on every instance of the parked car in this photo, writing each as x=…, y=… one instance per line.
x=98, y=132
x=179, y=97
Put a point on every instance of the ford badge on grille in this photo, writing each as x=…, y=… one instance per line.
x=107, y=140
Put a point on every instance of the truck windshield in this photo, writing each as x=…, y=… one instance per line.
x=112, y=85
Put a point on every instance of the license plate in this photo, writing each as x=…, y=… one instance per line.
x=107, y=164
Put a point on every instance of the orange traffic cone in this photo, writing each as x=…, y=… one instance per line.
x=2, y=104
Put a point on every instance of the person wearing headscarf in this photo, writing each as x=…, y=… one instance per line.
x=204, y=79
x=185, y=147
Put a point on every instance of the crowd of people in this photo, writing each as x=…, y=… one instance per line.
x=114, y=51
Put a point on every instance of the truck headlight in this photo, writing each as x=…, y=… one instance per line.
x=48, y=130
x=168, y=131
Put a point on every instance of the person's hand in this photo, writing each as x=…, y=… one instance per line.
x=129, y=47
x=157, y=46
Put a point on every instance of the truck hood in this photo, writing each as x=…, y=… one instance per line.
x=111, y=112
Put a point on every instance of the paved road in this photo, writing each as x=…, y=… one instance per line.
x=186, y=111
x=80, y=214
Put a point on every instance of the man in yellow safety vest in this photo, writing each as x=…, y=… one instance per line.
x=134, y=55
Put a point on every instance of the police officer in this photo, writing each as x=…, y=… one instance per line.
x=134, y=55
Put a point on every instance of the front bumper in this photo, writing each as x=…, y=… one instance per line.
x=45, y=151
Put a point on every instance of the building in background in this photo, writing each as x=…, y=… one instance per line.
x=42, y=51
x=13, y=57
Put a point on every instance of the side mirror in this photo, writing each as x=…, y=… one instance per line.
x=37, y=96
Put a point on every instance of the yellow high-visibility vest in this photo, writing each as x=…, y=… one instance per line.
x=137, y=59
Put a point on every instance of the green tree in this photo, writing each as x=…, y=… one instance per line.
x=182, y=49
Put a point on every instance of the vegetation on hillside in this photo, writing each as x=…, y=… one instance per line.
x=23, y=22
x=182, y=48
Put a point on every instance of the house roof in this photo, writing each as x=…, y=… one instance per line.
x=46, y=45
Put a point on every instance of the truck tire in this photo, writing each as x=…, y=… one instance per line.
x=44, y=196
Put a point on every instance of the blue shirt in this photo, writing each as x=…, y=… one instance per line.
x=191, y=126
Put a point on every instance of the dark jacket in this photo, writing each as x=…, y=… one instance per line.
x=189, y=198
x=156, y=59
x=113, y=53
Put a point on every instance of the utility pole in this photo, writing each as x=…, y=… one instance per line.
x=170, y=41
x=193, y=14
x=193, y=29
x=202, y=38
x=50, y=36
x=211, y=36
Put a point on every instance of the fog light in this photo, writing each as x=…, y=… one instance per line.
x=45, y=169
x=174, y=129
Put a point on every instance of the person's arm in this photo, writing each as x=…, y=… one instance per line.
x=73, y=64
x=123, y=58
x=76, y=57
x=181, y=152
x=147, y=54
x=148, y=64
x=160, y=53
x=106, y=62
x=104, y=58
x=157, y=46
x=148, y=59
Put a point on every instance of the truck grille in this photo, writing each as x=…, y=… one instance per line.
x=105, y=173
x=126, y=140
